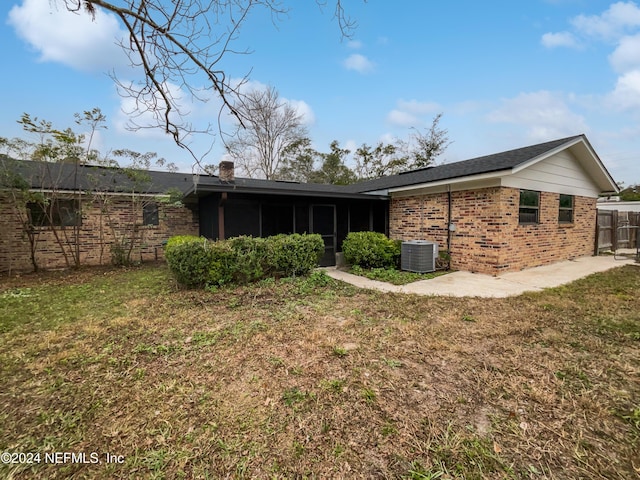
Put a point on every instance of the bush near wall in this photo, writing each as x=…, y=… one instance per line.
x=291, y=255
x=371, y=250
x=198, y=262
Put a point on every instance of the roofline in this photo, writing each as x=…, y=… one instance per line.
x=67, y=191
x=452, y=181
x=547, y=154
x=281, y=192
x=601, y=165
x=510, y=171
x=570, y=143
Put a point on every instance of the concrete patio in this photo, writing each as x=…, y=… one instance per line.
x=467, y=284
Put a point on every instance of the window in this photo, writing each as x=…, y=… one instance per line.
x=529, y=206
x=150, y=214
x=60, y=212
x=565, y=213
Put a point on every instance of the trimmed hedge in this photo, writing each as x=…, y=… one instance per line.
x=371, y=250
x=291, y=255
x=198, y=262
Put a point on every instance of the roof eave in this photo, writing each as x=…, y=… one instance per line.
x=452, y=181
x=205, y=189
x=579, y=146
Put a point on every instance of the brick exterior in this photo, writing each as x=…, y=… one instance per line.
x=96, y=233
x=488, y=237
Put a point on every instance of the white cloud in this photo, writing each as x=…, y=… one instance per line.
x=73, y=39
x=303, y=109
x=626, y=95
x=561, y=39
x=418, y=108
x=626, y=56
x=411, y=113
x=612, y=23
x=402, y=118
x=359, y=63
x=543, y=114
x=387, y=138
x=146, y=122
x=351, y=145
x=355, y=44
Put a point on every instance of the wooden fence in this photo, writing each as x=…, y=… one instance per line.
x=617, y=230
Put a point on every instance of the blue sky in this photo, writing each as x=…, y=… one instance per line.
x=504, y=74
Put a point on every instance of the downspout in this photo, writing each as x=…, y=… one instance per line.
x=223, y=200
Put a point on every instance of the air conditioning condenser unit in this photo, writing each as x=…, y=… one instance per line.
x=418, y=256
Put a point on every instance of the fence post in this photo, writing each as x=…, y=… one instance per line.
x=614, y=230
x=596, y=243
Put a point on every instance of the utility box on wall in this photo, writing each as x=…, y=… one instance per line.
x=418, y=256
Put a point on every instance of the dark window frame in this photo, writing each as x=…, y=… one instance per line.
x=565, y=210
x=150, y=214
x=58, y=212
x=528, y=208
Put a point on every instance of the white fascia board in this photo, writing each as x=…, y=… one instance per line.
x=378, y=192
x=455, y=181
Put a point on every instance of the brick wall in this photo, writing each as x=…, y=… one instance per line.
x=548, y=241
x=488, y=237
x=100, y=228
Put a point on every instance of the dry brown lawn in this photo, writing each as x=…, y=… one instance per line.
x=310, y=378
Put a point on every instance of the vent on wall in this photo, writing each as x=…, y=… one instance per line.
x=418, y=256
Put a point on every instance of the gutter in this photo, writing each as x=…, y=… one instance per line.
x=450, y=225
x=205, y=189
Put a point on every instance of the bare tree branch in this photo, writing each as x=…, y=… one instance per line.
x=272, y=127
x=180, y=45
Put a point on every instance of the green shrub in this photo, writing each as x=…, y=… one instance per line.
x=189, y=259
x=249, y=259
x=371, y=250
x=291, y=255
x=198, y=262
x=222, y=263
x=178, y=239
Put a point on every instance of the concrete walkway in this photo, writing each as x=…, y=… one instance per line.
x=466, y=284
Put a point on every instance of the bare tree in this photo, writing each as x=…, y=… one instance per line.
x=182, y=42
x=272, y=128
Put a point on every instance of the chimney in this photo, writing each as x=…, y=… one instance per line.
x=226, y=173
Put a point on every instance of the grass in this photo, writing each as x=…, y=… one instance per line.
x=393, y=276
x=312, y=378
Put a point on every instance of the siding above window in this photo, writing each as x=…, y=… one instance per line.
x=529, y=207
x=565, y=212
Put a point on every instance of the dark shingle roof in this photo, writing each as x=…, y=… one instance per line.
x=61, y=176
x=475, y=166
x=207, y=184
